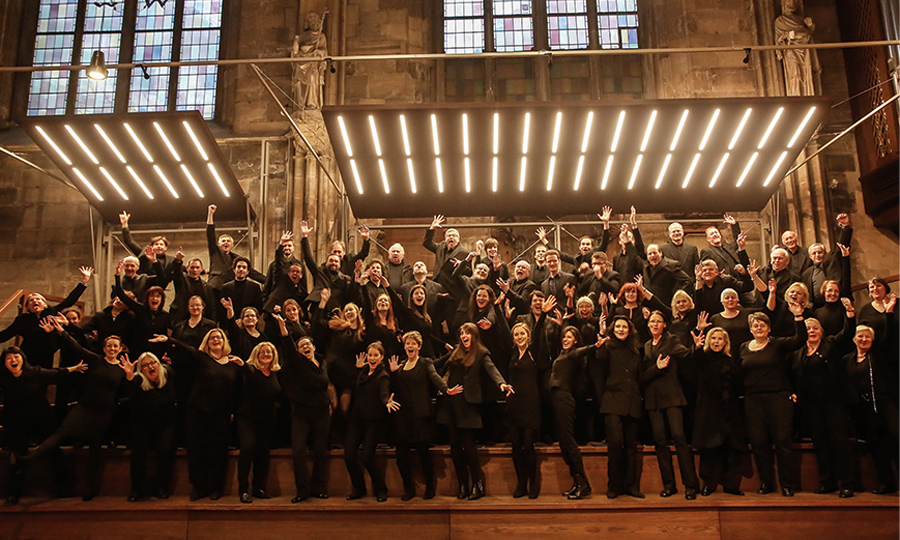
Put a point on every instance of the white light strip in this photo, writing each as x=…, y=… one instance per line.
x=190, y=178
x=587, y=131
x=356, y=178
x=165, y=139
x=83, y=146
x=550, y=173
x=649, y=129
x=740, y=128
x=138, y=142
x=747, y=169
x=609, y=162
x=496, y=134
x=662, y=172
x=709, y=129
x=194, y=138
x=801, y=126
x=762, y=142
x=384, y=178
x=556, y=132
x=345, y=136
x=113, y=182
x=86, y=183
x=522, y=174
x=434, y=136
x=53, y=144
x=109, y=143
x=681, y=123
x=690, y=173
x=465, y=129
x=375, y=136
x=525, y=133
x=618, y=131
x=412, y=175
x=634, y=173
x=718, y=170
x=440, y=174
x=215, y=173
x=165, y=180
x=405, y=135
x=579, y=171
x=775, y=168
x=139, y=181
x=468, y=176
x=494, y=178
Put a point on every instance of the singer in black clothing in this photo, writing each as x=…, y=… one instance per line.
x=210, y=405
x=768, y=404
x=27, y=416
x=243, y=336
x=412, y=381
x=256, y=419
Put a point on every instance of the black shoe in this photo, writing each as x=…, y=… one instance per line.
x=765, y=489
x=883, y=490
x=571, y=490
x=381, y=497
x=845, y=493
x=787, y=492
x=668, y=492
x=215, y=495
x=581, y=492
x=707, y=490
x=477, y=490
x=408, y=494
x=260, y=494
x=88, y=497
x=320, y=495
x=463, y=492
x=246, y=498
x=534, y=489
x=612, y=494
x=196, y=494
x=12, y=500
x=298, y=499
x=521, y=491
x=821, y=490
x=356, y=495
x=636, y=494
x=690, y=494
x=737, y=492
x=429, y=492
x=134, y=497
x=161, y=493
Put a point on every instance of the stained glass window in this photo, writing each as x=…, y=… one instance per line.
x=60, y=39
x=567, y=22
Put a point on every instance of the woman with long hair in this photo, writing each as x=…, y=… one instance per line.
x=256, y=418
x=153, y=420
x=414, y=317
x=344, y=333
x=244, y=333
x=684, y=317
x=463, y=369
x=210, y=406
x=411, y=382
x=636, y=302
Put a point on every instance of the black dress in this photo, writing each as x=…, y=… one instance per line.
x=414, y=422
x=153, y=421
x=255, y=422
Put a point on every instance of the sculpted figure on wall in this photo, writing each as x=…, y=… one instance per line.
x=791, y=28
x=309, y=77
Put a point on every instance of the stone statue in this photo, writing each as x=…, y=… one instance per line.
x=791, y=28
x=309, y=77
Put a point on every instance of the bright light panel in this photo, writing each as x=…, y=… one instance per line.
x=165, y=139
x=709, y=129
x=345, y=136
x=440, y=174
x=465, y=129
x=649, y=130
x=138, y=142
x=139, y=181
x=634, y=173
x=83, y=146
x=405, y=135
x=675, y=137
x=494, y=171
x=747, y=169
x=550, y=173
x=412, y=175
x=740, y=128
x=496, y=134
x=762, y=142
x=618, y=131
x=801, y=127
x=715, y=176
x=690, y=173
x=609, y=163
x=375, y=136
x=775, y=168
x=86, y=183
x=56, y=148
x=113, y=182
x=587, y=131
x=190, y=178
x=578, y=172
x=162, y=176
x=556, y=129
x=522, y=173
x=468, y=176
x=109, y=143
x=359, y=188
x=215, y=173
x=187, y=127
x=434, y=136
x=384, y=178
x=662, y=171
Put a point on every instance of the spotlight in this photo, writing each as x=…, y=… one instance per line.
x=144, y=70
x=97, y=70
x=747, y=55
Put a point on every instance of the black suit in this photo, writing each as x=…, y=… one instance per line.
x=687, y=256
x=665, y=278
x=726, y=254
x=246, y=293
x=555, y=286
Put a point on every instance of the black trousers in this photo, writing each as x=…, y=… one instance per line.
x=309, y=429
x=621, y=441
x=207, y=448
x=405, y=464
x=827, y=422
x=880, y=430
x=673, y=417
x=18, y=439
x=523, y=454
x=721, y=466
x=564, y=419
x=769, y=421
x=464, y=454
x=158, y=437
x=255, y=435
x=365, y=433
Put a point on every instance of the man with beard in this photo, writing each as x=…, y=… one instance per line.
x=444, y=251
x=284, y=259
x=188, y=283
x=325, y=276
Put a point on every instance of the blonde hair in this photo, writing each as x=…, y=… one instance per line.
x=727, y=348
x=677, y=296
x=254, y=356
x=802, y=288
x=413, y=335
x=147, y=384
x=226, y=346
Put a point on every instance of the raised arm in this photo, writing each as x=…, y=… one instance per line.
x=132, y=246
